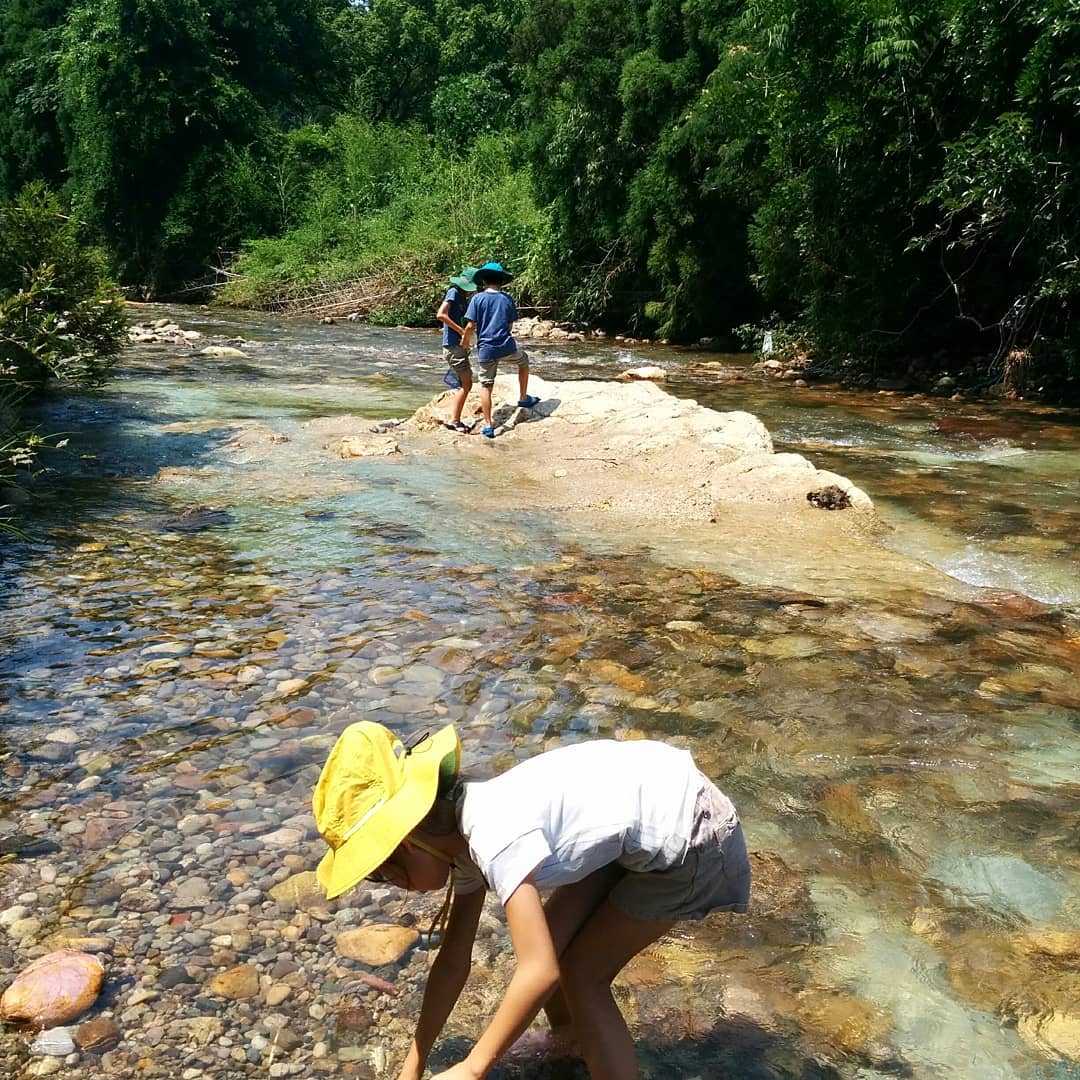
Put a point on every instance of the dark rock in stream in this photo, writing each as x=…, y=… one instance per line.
x=829, y=498
x=174, y=976
x=198, y=518
x=388, y=532
x=26, y=847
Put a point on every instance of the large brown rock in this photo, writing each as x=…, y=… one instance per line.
x=377, y=945
x=236, y=983
x=54, y=989
x=301, y=891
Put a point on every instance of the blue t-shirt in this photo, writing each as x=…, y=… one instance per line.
x=459, y=301
x=494, y=313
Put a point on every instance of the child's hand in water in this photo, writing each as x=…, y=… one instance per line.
x=553, y=1044
x=461, y=1071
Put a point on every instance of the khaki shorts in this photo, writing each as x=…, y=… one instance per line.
x=457, y=357
x=489, y=368
x=714, y=875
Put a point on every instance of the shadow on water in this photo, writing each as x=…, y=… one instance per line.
x=110, y=441
x=735, y=1049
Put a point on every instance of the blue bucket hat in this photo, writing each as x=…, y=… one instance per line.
x=493, y=272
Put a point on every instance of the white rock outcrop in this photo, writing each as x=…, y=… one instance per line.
x=633, y=447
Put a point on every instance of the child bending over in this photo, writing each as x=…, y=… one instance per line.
x=631, y=837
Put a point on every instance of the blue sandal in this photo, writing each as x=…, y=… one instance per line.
x=488, y=432
x=528, y=402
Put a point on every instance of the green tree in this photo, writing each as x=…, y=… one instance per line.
x=395, y=50
x=30, y=144
x=1004, y=203
x=581, y=162
x=62, y=321
x=160, y=101
x=145, y=95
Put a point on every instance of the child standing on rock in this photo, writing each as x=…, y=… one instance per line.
x=493, y=313
x=451, y=314
x=630, y=835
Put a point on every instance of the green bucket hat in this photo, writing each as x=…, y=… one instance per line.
x=464, y=280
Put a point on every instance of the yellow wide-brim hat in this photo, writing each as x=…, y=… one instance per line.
x=372, y=792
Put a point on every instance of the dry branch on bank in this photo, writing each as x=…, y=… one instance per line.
x=359, y=297
x=393, y=287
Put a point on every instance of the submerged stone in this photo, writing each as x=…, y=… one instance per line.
x=54, y=1042
x=1057, y=1033
x=377, y=945
x=55, y=988
x=236, y=984
x=198, y=518
x=99, y=1034
x=1002, y=882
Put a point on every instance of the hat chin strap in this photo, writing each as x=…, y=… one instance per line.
x=413, y=839
x=438, y=926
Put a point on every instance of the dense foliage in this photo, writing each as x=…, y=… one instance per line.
x=61, y=320
x=388, y=206
x=890, y=180
x=894, y=179
x=60, y=317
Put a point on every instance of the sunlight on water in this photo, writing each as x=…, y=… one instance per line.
x=192, y=624
x=1054, y=583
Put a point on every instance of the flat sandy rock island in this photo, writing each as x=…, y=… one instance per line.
x=630, y=462
x=634, y=448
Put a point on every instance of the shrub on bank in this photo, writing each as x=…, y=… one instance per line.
x=376, y=205
x=61, y=319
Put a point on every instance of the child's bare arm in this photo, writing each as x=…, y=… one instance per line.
x=466, y=334
x=447, y=977
x=536, y=975
x=443, y=316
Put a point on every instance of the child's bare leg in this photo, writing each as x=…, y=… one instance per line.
x=523, y=382
x=459, y=397
x=568, y=909
x=485, y=403
x=593, y=958
x=557, y=1011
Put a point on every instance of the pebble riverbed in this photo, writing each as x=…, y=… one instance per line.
x=168, y=694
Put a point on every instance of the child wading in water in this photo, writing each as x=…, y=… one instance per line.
x=631, y=836
x=492, y=313
x=451, y=314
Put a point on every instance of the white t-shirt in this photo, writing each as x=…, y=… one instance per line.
x=570, y=811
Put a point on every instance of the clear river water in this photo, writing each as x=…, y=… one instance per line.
x=188, y=625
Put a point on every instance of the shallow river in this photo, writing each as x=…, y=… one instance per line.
x=188, y=627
